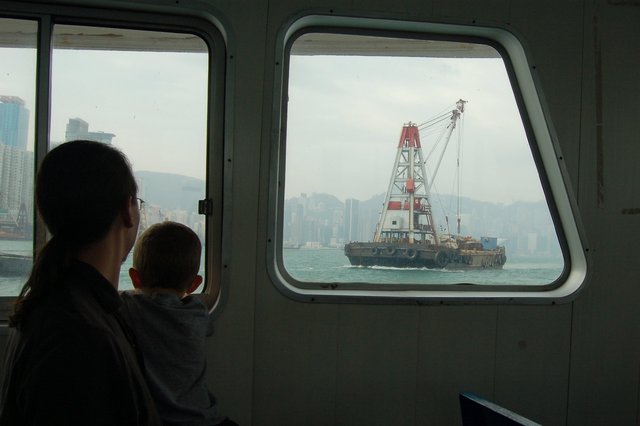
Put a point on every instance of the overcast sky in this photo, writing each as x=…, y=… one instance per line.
x=346, y=114
x=344, y=120
x=154, y=103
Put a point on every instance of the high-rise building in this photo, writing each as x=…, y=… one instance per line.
x=297, y=234
x=14, y=122
x=77, y=128
x=351, y=215
x=16, y=163
x=16, y=180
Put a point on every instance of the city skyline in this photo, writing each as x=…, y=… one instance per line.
x=17, y=177
x=320, y=220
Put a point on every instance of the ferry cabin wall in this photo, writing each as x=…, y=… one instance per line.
x=277, y=361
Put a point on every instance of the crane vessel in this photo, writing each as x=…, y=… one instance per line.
x=406, y=236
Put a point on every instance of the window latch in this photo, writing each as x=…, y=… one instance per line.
x=205, y=206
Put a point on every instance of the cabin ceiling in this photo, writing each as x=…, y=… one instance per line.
x=15, y=34
x=347, y=44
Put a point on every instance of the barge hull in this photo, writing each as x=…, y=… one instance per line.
x=423, y=256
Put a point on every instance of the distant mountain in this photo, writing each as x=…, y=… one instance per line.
x=374, y=203
x=170, y=191
x=318, y=201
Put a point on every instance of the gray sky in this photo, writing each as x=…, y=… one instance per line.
x=154, y=103
x=344, y=120
x=346, y=115
x=17, y=78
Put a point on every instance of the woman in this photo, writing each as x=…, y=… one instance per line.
x=70, y=358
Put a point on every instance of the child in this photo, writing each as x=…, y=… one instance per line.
x=170, y=325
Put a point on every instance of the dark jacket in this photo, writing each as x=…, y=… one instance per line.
x=73, y=361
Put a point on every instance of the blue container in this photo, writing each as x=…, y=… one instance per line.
x=489, y=243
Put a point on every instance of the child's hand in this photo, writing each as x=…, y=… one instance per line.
x=210, y=295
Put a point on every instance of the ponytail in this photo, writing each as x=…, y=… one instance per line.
x=80, y=188
x=45, y=277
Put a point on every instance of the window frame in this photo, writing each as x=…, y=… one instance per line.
x=217, y=144
x=541, y=138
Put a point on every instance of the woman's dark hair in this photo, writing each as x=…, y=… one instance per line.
x=80, y=188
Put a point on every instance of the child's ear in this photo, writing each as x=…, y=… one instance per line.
x=135, y=277
x=195, y=284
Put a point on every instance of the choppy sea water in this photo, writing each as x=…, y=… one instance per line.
x=331, y=265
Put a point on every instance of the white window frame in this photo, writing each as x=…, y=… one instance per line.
x=549, y=160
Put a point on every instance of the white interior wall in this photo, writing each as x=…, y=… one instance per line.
x=364, y=364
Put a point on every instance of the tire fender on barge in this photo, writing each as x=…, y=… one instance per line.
x=441, y=258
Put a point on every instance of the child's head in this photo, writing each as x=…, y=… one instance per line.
x=167, y=255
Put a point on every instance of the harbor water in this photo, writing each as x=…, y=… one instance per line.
x=331, y=265
x=11, y=285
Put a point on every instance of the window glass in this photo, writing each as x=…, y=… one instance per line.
x=408, y=162
x=145, y=93
x=17, y=108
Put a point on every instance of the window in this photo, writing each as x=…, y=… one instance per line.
x=147, y=91
x=17, y=109
x=145, y=94
x=413, y=168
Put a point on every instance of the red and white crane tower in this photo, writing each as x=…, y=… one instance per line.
x=406, y=214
